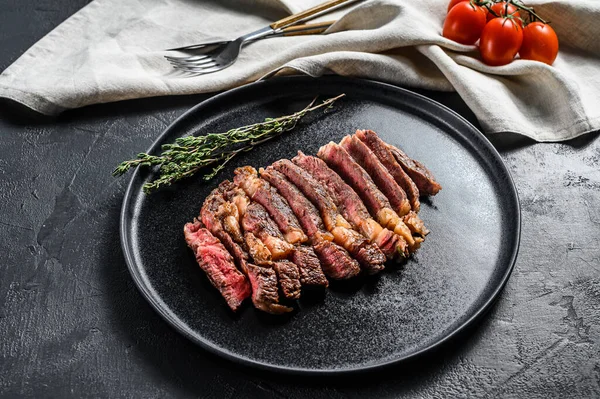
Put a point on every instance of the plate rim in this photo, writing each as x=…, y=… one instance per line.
x=158, y=305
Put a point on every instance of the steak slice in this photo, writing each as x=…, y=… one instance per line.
x=347, y=201
x=380, y=149
x=336, y=261
x=258, y=250
x=340, y=161
x=269, y=195
x=256, y=220
x=230, y=201
x=289, y=278
x=218, y=264
x=262, y=280
x=312, y=190
x=367, y=254
x=309, y=266
x=385, y=182
x=370, y=257
x=380, y=175
x=236, y=196
x=422, y=177
x=415, y=224
x=261, y=191
x=351, y=206
x=211, y=213
x=265, y=293
x=305, y=211
x=231, y=221
x=309, y=216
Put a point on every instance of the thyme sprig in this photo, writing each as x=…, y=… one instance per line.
x=189, y=154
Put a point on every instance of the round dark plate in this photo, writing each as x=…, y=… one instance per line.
x=371, y=322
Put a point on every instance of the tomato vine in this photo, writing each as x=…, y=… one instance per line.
x=472, y=21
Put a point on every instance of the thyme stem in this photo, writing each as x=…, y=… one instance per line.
x=188, y=155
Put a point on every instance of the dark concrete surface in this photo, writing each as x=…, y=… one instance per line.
x=72, y=324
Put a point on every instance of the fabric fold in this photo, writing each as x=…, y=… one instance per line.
x=111, y=50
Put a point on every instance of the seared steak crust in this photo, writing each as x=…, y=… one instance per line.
x=257, y=221
x=339, y=160
x=347, y=201
x=309, y=266
x=265, y=293
x=309, y=216
x=422, y=177
x=211, y=214
x=385, y=182
x=312, y=189
x=368, y=255
x=351, y=206
x=263, y=280
x=336, y=261
x=289, y=278
x=305, y=211
x=382, y=178
x=261, y=191
x=385, y=156
x=304, y=257
x=260, y=253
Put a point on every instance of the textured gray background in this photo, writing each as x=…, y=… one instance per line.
x=73, y=325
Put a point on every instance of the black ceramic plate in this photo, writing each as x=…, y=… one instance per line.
x=455, y=276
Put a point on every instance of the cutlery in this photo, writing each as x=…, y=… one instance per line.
x=294, y=30
x=216, y=56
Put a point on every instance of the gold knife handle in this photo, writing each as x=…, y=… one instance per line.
x=307, y=13
x=307, y=29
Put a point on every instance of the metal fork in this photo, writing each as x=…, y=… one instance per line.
x=212, y=57
x=215, y=56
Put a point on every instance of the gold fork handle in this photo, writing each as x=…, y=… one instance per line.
x=307, y=29
x=307, y=13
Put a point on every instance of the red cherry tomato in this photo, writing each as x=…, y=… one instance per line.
x=453, y=3
x=500, y=41
x=540, y=43
x=500, y=9
x=464, y=23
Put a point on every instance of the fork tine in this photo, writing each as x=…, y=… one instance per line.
x=194, y=67
x=175, y=64
x=204, y=72
x=201, y=47
x=184, y=57
x=193, y=63
x=200, y=68
x=188, y=58
x=211, y=61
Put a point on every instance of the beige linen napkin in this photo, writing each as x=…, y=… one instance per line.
x=112, y=50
